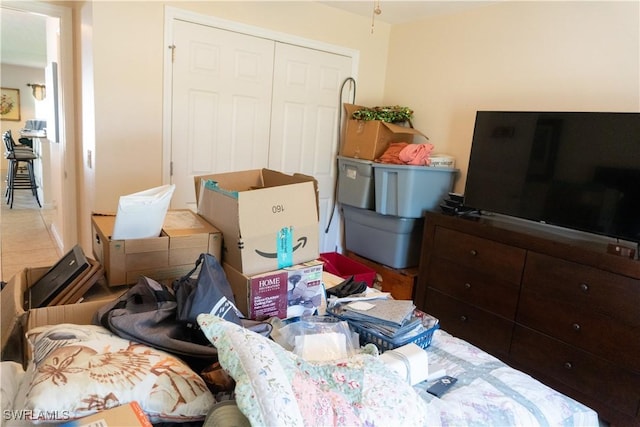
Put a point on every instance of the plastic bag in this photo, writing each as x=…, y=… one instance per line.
x=316, y=338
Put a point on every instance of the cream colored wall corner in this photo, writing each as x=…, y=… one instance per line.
x=582, y=56
x=85, y=126
x=127, y=70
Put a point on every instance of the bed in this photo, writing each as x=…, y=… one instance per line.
x=274, y=387
x=489, y=392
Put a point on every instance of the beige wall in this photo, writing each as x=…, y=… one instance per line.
x=514, y=56
x=17, y=77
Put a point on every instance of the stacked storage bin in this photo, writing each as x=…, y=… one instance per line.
x=384, y=206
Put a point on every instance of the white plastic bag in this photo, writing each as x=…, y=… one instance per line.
x=316, y=338
x=141, y=215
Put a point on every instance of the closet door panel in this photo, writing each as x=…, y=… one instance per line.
x=304, y=121
x=222, y=82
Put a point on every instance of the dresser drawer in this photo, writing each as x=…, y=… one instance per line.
x=480, y=254
x=599, y=291
x=581, y=327
x=487, y=331
x=594, y=377
x=485, y=290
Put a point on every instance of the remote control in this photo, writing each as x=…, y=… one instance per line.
x=441, y=386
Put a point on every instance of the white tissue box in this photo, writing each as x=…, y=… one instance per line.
x=442, y=161
x=409, y=361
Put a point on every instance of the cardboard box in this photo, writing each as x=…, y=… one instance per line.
x=129, y=414
x=188, y=235
x=16, y=320
x=184, y=236
x=269, y=220
x=368, y=140
x=288, y=292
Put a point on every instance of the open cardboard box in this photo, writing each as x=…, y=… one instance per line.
x=185, y=235
x=269, y=220
x=16, y=320
x=368, y=140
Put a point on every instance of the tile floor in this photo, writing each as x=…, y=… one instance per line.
x=25, y=240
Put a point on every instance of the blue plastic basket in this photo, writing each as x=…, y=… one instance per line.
x=384, y=343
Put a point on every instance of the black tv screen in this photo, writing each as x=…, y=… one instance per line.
x=578, y=170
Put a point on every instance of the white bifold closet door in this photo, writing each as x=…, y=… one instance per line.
x=247, y=102
x=221, y=105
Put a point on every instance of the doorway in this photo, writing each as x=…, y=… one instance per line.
x=61, y=182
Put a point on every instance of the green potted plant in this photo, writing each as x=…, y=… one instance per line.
x=388, y=114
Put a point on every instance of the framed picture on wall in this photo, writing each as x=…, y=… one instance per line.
x=10, y=104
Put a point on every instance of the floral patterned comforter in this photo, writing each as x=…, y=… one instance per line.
x=490, y=393
x=277, y=388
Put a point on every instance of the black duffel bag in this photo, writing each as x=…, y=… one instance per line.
x=146, y=313
x=209, y=293
x=153, y=314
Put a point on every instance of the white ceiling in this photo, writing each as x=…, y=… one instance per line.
x=402, y=11
x=22, y=38
x=23, y=35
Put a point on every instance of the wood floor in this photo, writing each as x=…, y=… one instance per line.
x=25, y=240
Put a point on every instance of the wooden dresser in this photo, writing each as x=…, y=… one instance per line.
x=562, y=310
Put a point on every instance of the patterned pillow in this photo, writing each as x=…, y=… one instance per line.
x=276, y=387
x=82, y=369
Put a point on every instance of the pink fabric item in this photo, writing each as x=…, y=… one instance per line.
x=416, y=154
x=391, y=154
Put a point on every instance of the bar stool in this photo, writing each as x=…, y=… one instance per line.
x=25, y=143
x=17, y=179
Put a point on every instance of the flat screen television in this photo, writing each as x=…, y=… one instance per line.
x=575, y=170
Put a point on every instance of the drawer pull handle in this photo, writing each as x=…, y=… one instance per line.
x=576, y=327
x=568, y=365
x=584, y=287
x=463, y=318
x=467, y=285
x=473, y=252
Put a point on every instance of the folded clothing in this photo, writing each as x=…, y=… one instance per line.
x=348, y=287
x=392, y=153
x=404, y=153
x=416, y=154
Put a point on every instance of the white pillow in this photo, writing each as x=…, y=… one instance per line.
x=11, y=374
x=82, y=369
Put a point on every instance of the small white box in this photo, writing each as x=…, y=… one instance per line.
x=409, y=361
x=442, y=161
